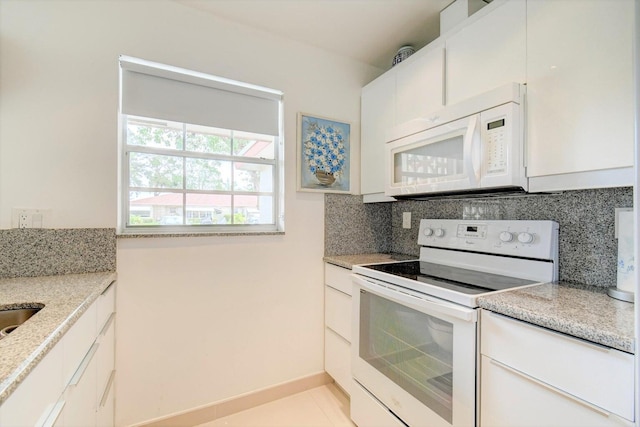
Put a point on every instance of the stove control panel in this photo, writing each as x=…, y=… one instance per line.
x=531, y=239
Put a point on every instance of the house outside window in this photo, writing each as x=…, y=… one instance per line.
x=198, y=153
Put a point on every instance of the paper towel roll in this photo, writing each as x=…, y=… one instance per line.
x=626, y=261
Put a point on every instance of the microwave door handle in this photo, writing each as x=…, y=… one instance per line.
x=471, y=140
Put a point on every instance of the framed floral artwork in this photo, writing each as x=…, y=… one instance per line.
x=324, y=155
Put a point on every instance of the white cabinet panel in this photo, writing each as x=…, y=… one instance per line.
x=579, y=87
x=337, y=319
x=337, y=361
x=598, y=375
x=337, y=314
x=512, y=399
x=489, y=52
x=338, y=278
x=78, y=340
x=31, y=403
x=378, y=114
x=419, y=83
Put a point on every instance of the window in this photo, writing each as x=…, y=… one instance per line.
x=198, y=153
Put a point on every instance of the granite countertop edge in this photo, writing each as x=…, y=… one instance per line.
x=584, y=312
x=65, y=299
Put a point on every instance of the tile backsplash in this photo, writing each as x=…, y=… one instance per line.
x=588, y=248
x=47, y=252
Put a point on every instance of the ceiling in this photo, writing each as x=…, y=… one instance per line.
x=370, y=31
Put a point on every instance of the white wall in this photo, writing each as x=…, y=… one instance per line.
x=199, y=319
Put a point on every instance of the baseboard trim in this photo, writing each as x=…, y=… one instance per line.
x=213, y=411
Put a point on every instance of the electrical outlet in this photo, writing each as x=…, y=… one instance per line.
x=29, y=218
x=406, y=219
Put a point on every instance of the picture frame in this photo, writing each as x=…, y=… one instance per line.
x=324, y=154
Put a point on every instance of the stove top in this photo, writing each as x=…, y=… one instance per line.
x=458, y=279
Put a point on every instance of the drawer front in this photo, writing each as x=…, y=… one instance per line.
x=366, y=411
x=338, y=278
x=521, y=405
x=105, y=356
x=106, y=305
x=78, y=340
x=337, y=359
x=596, y=374
x=337, y=312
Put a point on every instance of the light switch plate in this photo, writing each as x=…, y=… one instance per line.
x=29, y=218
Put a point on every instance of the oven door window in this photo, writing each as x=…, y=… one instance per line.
x=412, y=349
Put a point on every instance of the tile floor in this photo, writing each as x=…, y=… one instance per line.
x=325, y=406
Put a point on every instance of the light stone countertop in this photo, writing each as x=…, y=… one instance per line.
x=65, y=299
x=585, y=312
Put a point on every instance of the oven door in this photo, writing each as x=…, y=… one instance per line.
x=416, y=354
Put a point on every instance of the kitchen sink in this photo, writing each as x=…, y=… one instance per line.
x=10, y=319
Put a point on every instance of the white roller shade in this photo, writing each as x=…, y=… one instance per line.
x=170, y=93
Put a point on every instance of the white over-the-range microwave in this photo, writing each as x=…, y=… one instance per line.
x=473, y=147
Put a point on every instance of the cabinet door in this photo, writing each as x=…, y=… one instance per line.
x=378, y=114
x=512, y=399
x=419, y=83
x=580, y=86
x=489, y=52
x=80, y=395
x=337, y=359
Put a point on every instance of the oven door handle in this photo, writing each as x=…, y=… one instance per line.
x=422, y=303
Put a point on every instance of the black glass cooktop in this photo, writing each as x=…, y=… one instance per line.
x=457, y=279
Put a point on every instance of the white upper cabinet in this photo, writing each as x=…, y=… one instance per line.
x=488, y=52
x=419, y=82
x=378, y=114
x=580, y=93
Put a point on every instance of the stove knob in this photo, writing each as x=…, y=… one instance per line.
x=525, y=237
x=427, y=232
x=439, y=232
x=506, y=236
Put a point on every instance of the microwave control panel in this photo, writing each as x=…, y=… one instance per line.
x=496, y=149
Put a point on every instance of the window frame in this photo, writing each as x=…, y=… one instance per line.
x=125, y=187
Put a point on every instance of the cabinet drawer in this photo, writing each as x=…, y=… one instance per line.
x=521, y=406
x=105, y=356
x=106, y=304
x=337, y=312
x=338, y=278
x=78, y=340
x=593, y=373
x=337, y=359
x=367, y=411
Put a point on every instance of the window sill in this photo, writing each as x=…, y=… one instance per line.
x=202, y=234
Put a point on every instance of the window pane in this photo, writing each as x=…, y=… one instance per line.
x=253, y=209
x=205, y=209
x=154, y=133
x=155, y=171
x=253, y=145
x=252, y=177
x=203, y=174
x=155, y=209
x=210, y=140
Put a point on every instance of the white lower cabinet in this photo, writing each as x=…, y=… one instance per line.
x=337, y=333
x=531, y=376
x=72, y=385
